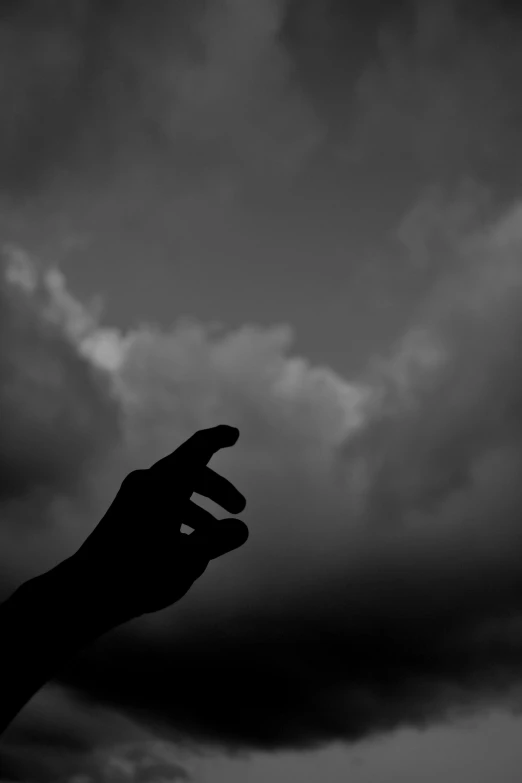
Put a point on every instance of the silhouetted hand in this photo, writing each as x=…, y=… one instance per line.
x=137, y=560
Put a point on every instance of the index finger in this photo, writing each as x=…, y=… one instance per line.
x=198, y=450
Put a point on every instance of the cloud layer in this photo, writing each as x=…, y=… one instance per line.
x=202, y=88
x=381, y=585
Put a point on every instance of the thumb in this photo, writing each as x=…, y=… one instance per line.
x=226, y=535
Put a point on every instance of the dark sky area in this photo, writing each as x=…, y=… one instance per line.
x=303, y=218
x=253, y=161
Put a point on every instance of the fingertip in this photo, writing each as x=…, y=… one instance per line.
x=239, y=504
x=230, y=434
x=229, y=535
x=236, y=529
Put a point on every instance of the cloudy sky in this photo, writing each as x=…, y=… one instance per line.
x=302, y=218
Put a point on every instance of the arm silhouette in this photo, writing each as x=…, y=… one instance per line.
x=135, y=561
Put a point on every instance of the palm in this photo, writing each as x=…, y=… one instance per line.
x=137, y=554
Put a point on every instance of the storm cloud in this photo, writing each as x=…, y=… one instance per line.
x=381, y=585
x=387, y=599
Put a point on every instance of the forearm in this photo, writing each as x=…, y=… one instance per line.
x=43, y=624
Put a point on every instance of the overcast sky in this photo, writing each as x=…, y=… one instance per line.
x=302, y=218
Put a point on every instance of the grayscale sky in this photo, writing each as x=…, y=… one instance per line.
x=303, y=218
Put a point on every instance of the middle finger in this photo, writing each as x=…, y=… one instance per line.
x=219, y=489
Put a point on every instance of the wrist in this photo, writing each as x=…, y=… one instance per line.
x=62, y=604
x=45, y=623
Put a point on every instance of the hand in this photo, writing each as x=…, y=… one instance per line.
x=137, y=560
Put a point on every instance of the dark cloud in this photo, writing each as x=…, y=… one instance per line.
x=58, y=415
x=174, y=97
x=97, y=87
x=381, y=582
x=57, y=740
x=440, y=97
